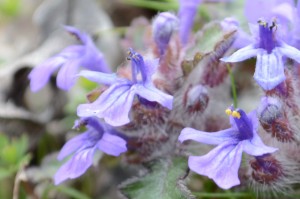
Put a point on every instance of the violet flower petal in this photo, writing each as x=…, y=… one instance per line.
x=269, y=70
x=66, y=75
x=72, y=145
x=187, y=12
x=99, y=77
x=104, y=101
x=113, y=115
x=76, y=166
x=151, y=66
x=290, y=52
x=40, y=75
x=221, y=164
x=256, y=147
x=242, y=54
x=152, y=94
x=112, y=145
x=83, y=37
x=214, y=138
x=109, y=104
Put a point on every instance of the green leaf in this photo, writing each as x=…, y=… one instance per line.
x=10, y=7
x=69, y=191
x=162, y=181
x=13, y=153
x=6, y=172
x=3, y=141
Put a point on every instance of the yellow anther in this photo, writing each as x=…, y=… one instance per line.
x=228, y=111
x=236, y=114
x=262, y=23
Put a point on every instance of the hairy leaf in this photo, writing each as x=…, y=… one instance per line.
x=163, y=181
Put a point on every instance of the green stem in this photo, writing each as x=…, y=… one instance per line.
x=233, y=88
x=156, y=5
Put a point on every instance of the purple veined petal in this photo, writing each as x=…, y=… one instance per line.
x=40, y=75
x=151, y=66
x=99, y=77
x=214, y=138
x=66, y=76
x=256, y=147
x=269, y=70
x=221, y=164
x=83, y=37
x=152, y=94
x=112, y=144
x=72, y=145
x=104, y=101
x=290, y=52
x=242, y=54
x=117, y=113
x=76, y=166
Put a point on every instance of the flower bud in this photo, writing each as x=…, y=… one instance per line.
x=196, y=99
x=163, y=27
x=266, y=169
x=269, y=110
x=273, y=119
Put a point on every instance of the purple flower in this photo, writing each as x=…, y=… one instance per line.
x=269, y=50
x=222, y=163
x=70, y=59
x=115, y=103
x=163, y=26
x=98, y=136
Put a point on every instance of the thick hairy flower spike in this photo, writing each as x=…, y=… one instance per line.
x=69, y=60
x=222, y=163
x=99, y=136
x=269, y=50
x=121, y=93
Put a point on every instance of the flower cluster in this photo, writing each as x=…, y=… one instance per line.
x=139, y=93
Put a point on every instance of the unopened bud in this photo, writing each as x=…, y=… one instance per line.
x=269, y=110
x=266, y=169
x=273, y=119
x=163, y=27
x=196, y=99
